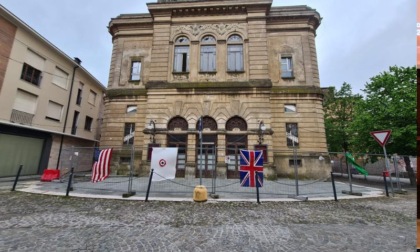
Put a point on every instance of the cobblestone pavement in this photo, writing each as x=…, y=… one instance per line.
x=34, y=222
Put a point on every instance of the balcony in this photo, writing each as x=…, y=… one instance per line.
x=21, y=117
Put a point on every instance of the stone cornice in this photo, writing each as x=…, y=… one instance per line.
x=125, y=92
x=295, y=14
x=210, y=85
x=306, y=90
x=215, y=7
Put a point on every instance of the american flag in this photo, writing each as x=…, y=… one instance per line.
x=251, y=163
x=100, y=169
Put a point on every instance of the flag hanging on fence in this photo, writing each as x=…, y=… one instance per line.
x=163, y=163
x=351, y=160
x=100, y=169
x=251, y=163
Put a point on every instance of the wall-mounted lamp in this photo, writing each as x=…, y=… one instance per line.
x=152, y=126
x=261, y=129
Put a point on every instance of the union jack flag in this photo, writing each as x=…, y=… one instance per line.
x=251, y=164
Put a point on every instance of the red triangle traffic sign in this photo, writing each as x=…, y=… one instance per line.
x=381, y=136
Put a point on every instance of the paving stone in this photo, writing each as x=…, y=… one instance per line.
x=34, y=222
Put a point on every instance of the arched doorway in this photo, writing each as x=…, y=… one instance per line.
x=178, y=137
x=206, y=149
x=236, y=139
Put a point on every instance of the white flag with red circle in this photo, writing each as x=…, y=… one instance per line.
x=163, y=163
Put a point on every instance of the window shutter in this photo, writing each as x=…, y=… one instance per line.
x=35, y=60
x=92, y=97
x=204, y=62
x=25, y=102
x=54, y=110
x=60, y=78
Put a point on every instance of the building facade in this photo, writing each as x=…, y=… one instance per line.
x=248, y=69
x=48, y=101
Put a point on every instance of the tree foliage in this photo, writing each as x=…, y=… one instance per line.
x=389, y=103
x=339, y=111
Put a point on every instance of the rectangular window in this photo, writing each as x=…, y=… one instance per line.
x=92, y=97
x=75, y=121
x=25, y=102
x=292, y=135
x=208, y=58
x=290, y=108
x=235, y=58
x=60, y=78
x=129, y=130
x=79, y=94
x=88, y=123
x=54, y=111
x=181, y=59
x=292, y=163
x=286, y=67
x=135, y=71
x=31, y=74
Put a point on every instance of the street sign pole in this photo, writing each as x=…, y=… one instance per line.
x=388, y=170
x=382, y=137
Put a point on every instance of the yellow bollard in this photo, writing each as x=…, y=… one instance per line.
x=200, y=193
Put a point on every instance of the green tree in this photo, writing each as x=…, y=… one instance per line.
x=339, y=109
x=389, y=103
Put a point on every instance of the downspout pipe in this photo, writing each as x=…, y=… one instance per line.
x=78, y=62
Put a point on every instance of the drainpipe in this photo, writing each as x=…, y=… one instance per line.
x=78, y=62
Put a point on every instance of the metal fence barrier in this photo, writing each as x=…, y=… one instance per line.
x=128, y=178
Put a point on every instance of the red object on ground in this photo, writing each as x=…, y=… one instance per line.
x=50, y=175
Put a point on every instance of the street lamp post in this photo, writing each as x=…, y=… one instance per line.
x=152, y=127
x=261, y=129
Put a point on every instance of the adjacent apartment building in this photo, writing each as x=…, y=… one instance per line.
x=48, y=101
x=248, y=68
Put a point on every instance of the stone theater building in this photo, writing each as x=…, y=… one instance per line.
x=249, y=69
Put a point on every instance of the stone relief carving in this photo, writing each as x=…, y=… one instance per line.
x=208, y=76
x=196, y=30
x=235, y=76
x=180, y=77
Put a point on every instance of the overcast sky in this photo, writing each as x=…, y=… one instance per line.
x=356, y=40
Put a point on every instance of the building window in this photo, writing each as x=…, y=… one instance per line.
x=208, y=54
x=88, y=123
x=292, y=134
x=235, y=56
x=292, y=163
x=60, y=78
x=54, y=111
x=135, y=71
x=182, y=55
x=290, y=108
x=31, y=74
x=79, y=94
x=25, y=102
x=75, y=121
x=286, y=67
x=92, y=97
x=129, y=129
x=131, y=109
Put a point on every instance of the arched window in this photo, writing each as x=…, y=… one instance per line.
x=235, y=54
x=236, y=139
x=177, y=123
x=182, y=55
x=206, y=148
x=178, y=138
x=236, y=122
x=208, y=54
